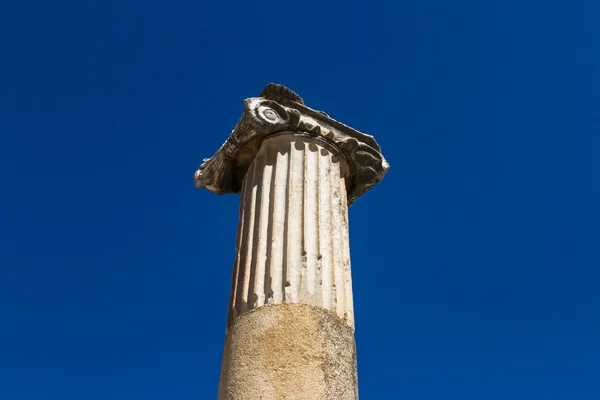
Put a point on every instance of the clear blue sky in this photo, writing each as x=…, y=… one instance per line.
x=475, y=261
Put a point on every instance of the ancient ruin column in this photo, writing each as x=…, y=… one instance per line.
x=290, y=329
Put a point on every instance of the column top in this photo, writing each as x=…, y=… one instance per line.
x=279, y=109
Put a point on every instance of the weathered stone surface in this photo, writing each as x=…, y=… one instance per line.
x=289, y=351
x=291, y=321
x=278, y=109
x=292, y=244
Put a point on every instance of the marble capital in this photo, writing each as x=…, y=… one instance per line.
x=278, y=109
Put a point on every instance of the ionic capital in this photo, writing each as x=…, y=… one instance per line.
x=278, y=109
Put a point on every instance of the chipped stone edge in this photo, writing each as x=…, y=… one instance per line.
x=279, y=109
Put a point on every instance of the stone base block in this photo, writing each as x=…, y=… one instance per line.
x=289, y=351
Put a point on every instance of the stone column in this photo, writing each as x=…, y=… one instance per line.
x=290, y=329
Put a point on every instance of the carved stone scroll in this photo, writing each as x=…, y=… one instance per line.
x=278, y=109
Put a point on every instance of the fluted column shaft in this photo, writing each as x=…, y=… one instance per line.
x=292, y=244
x=292, y=251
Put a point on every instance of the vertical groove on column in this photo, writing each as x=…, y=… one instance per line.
x=285, y=278
x=317, y=267
x=293, y=233
x=337, y=240
x=270, y=252
x=311, y=216
x=335, y=233
x=346, y=253
x=278, y=222
x=260, y=255
x=246, y=248
x=294, y=222
x=236, y=265
x=257, y=208
x=325, y=226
